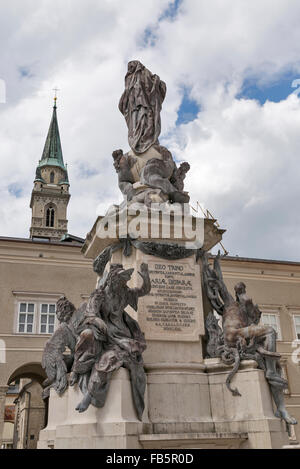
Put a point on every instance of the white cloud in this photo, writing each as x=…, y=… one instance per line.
x=246, y=172
x=244, y=156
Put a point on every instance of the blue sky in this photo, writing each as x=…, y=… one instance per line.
x=15, y=190
x=188, y=109
x=275, y=91
x=252, y=89
x=168, y=14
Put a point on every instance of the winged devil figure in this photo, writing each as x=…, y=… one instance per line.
x=243, y=336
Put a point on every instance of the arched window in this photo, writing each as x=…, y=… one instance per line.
x=50, y=217
x=52, y=177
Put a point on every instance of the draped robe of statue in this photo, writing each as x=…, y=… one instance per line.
x=141, y=104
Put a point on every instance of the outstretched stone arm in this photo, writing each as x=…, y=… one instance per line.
x=146, y=287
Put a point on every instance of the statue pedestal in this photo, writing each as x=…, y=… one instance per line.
x=187, y=406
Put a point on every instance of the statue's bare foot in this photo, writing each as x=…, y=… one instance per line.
x=83, y=405
x=73, y=378
x=284, y=415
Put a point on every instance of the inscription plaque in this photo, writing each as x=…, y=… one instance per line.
x=173, y=309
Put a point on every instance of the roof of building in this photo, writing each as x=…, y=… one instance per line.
x=255, y=259
x=69, y=238
x=42, y=241
x=52, y=153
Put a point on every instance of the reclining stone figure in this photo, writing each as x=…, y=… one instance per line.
x=243, y=336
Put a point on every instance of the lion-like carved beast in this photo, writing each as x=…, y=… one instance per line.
x=54, y=360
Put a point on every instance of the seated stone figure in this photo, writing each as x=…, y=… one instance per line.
x=109, y=338
x=243, y=336
x=101, y=337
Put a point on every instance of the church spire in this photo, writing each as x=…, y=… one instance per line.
x=52, y=154
x=50, y=195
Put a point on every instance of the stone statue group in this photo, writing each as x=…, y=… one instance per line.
x=101, y=336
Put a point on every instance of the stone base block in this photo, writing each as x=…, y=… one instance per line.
x=187, y=406
x=252, y=412
x=194, y=440
x=115, y=426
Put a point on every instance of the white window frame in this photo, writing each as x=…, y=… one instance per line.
x=41, y=303
x=36, y=298
x=277, y=316
x=19, y=312
x=294, y=323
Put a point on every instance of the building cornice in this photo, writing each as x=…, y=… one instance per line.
x=32, y=294
x=261, y=277
x=45, y=261
x=236, y=259
x=42, y=243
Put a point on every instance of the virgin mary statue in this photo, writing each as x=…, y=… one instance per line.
x=141, y=104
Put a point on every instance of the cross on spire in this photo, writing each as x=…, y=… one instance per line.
x=55, y=95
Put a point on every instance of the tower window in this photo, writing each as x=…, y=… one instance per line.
x=50, y=217
x=52, y=177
